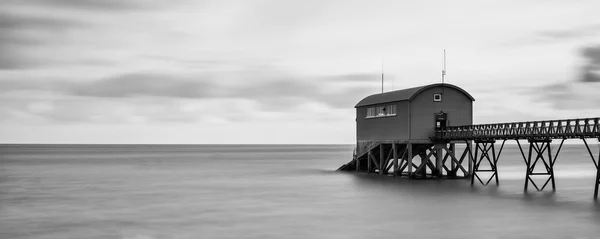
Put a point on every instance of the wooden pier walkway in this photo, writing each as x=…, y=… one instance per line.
x=396, y=157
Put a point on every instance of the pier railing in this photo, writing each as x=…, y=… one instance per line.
x=549, y=129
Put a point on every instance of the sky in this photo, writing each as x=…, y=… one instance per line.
x=280, y=71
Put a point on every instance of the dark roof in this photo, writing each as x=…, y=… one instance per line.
x=405, y=94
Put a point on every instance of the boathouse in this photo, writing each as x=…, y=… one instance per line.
x=394, y=127
x=411, y=115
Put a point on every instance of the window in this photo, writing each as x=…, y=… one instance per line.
x=370, y=112
x=437, y=97
x=381, y=111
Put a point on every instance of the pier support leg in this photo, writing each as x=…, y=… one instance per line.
x=357, y=164
x=403, y=163
x=410, y=159
x=426, y=152
x=597, y=165
x=485, y=146
x=470, y=149
x=395, y=150
x=455, y=163
x=438, y=160
x=452, y=172
x=369, y=162
x=543, y=154
x=597, y=182
x=382, y=159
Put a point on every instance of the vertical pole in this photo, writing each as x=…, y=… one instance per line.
x=357, y=163
x=438, y=160
x=597, y=173
x=409, y=159
x=475, y=163
x=452, y=163
x=470, y=147
x=382, y=158
x=381, y=74
x=551, y=165
x=495, y=159
x=395, y=152
x=528, y=166
x=597, y=182
x=369, y=159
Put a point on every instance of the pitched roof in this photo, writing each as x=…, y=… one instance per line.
x=405, y=94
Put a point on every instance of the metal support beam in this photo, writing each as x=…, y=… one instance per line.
x=381, y=160
x=452, y=172
x=395, y=165
x=456, y=164
x=403, y=162
x=485, y=146
x=410, y=160
x=438, y=160
x=369, y=156
x=471, y=160
x=543, y=153
x=597, y=181
x=357, y=164
x=597, y=165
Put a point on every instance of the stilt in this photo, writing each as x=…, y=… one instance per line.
x=540, y=147
x=484, y=146
x=438, y=160
x=395, y=165
x=452, y=172
x=470, y=149
x=382, y=159
x=403, y=164
x=455, y=163
x=369, y=162
x=357, y=164
x=597, y=165
x=410, y=159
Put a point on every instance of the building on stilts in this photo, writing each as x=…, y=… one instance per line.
x=394, y=132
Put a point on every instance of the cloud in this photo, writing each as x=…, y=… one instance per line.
x=575, y=98
x=591, y=69
x=578, y=33
x=575, y=33
x=91, y=4
x=47, y=33
x=95, y=5
x=22, y=32
x=144, y=84
x=171, y=97
x=572, y=96
x=16, y=21
x=273, y=91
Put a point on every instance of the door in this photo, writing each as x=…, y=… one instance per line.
x=441, y=120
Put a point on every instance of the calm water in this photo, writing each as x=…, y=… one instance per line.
x=207, y=191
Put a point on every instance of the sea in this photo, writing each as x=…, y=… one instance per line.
x=276, y=191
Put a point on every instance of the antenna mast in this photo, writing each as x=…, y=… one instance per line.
x=444, y=70
x=382, y=74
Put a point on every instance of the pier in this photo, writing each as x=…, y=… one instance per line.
x=407, y=134
x=538, y=134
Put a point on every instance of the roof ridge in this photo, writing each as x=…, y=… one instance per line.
x=403, y=94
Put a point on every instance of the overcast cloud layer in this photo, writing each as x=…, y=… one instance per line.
x=102, y=71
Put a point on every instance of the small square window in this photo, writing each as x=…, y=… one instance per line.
x=437, y=97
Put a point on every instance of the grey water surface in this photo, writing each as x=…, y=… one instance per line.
x=274, y=191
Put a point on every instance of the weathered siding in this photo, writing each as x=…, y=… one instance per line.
x=458, y=106
x=383, y=128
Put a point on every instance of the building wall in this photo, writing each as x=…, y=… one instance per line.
x=457, y=105
x=383, y=128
